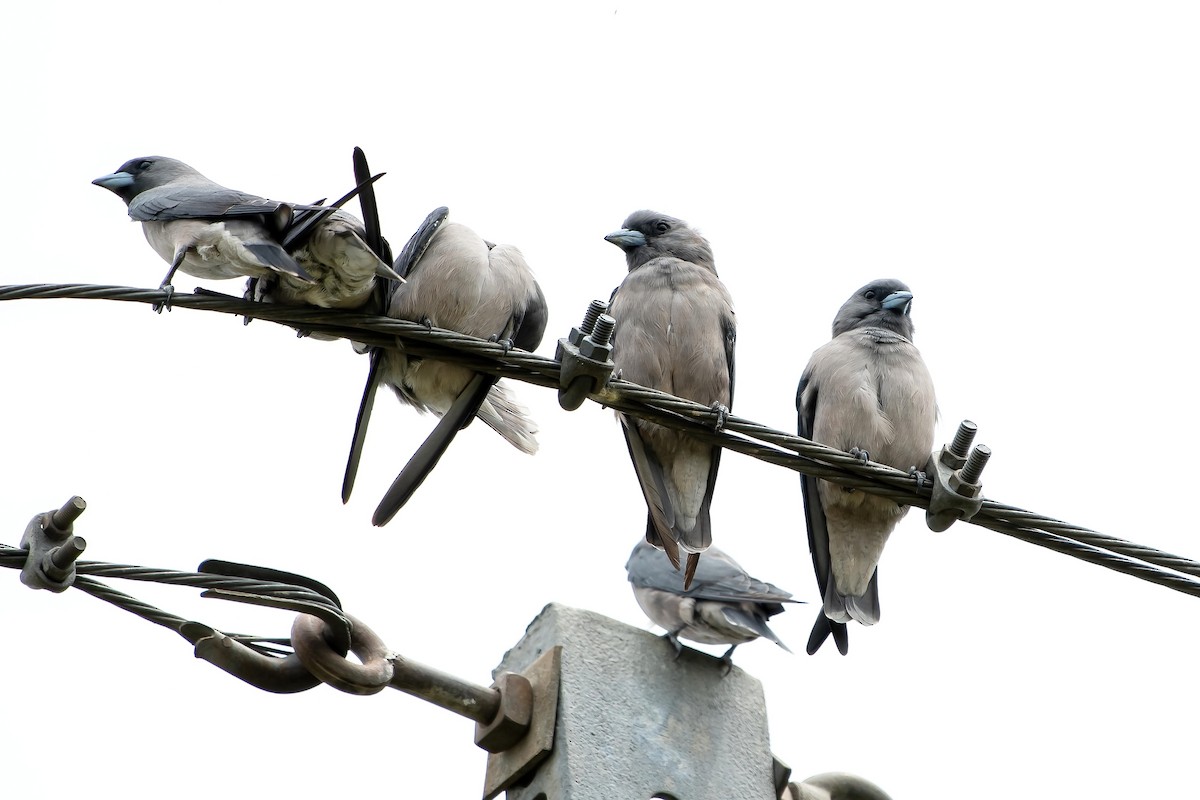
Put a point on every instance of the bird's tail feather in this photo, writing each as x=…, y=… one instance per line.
x=744, y=619
x=510, y=419
x=863, y=609
x=822, y=629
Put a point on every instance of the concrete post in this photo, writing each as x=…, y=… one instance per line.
x=635, y=723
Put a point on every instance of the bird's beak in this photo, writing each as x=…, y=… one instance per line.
x=626, y=239
x=117, y=180
x=900, y=302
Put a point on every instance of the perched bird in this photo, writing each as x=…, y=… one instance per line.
x=342, y=268
x=868, y=392
x=723, y=606
x=201, y=227
x=675, y=332
x=454, y=280
x=343, y=255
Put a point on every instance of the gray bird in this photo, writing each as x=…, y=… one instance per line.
x=867, y=392
x=343, y=255
x=201, y=227
x=724, y=605
x=675, y=332
x=458, y=281
x=342, y=268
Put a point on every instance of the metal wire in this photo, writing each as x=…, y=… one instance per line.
x=744, y=436
x=14, y=558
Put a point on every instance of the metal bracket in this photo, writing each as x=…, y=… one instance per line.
x=53, y=548
x=585, y=356
x=506, y=768
x=957, y=492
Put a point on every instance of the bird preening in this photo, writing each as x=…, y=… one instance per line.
x=866, y=391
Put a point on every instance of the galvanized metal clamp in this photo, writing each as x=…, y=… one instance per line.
x=585, y=356
x=957, y=492
x=53, y=548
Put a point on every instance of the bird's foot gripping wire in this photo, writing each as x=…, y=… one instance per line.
x=919, y=476
x=506, y=343
x=169, y=291
x=722, y=412
x=860, y=454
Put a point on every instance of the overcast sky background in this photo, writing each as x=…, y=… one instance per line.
x=1029, y=169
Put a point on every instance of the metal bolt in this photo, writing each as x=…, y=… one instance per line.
x=963, y=438
x=66, y=554
x=595, y=345
x=61, y=520
x=594, y=310
x=603, y=329
x=975, y=463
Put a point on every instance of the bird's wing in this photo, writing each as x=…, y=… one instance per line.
x=814, y=518
x=411, y=254
x=173, y=202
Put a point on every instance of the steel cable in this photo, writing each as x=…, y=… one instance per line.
x=744, y=436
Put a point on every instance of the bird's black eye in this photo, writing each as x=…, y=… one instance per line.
x=662, y=227
x=144, y=165
x=869, y=294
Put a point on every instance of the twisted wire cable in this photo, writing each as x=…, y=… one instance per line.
x=14, y=558
x=742, y=435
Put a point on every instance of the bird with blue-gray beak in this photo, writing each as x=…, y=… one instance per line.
x=724, y=604
x=869, y=393
x=675, y=332
x=201, y=227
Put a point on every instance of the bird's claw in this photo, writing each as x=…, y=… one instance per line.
x=861, y=455
x=920, y=477
x=722, y=413
x=428, y=323
x=507, y=344
x=166, y=301
x=673, y=638
x=727, y=661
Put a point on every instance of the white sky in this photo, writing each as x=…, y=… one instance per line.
x=1029, y=170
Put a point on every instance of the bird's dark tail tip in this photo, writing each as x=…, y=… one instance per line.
x=822, y=629
x=689, y=572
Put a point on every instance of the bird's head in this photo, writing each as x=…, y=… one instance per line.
x=884, y=303
x=139, y=174
x=646, y=235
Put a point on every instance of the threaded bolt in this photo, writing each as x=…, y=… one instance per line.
x=61, y=520
x=963, y=438
x=975, y=463
x=603, y=329
x=66, y=554
x=594, y=310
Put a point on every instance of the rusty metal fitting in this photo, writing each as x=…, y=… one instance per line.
x=285, y=675
x=957, y=493
x=53, y=548
x=512, y=717
x=585, y=357
x=311, y=640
